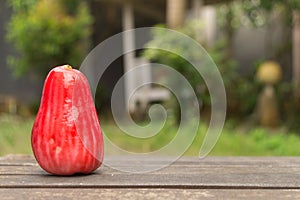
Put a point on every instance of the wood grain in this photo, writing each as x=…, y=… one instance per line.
x=158, y=194
x=187, y=178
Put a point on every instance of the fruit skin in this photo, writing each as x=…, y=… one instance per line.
x=66, y=136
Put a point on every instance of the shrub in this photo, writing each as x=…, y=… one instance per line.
x=47, y=33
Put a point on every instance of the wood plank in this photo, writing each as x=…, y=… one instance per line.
x=129, y=194
x=15, y=159
x=212, y=172
x=231, y=181
x=173, y=169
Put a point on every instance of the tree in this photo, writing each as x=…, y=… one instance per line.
x=47, y=33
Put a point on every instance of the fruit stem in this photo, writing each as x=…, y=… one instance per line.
x=67, y=67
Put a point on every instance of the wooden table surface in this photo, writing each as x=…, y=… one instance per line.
x=187, y=178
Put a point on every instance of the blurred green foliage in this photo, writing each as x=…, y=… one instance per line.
x=15, y=134
x=260, y=13
x=237, y=86
x=257, y=141
x=47, y=33
x=242, y=89
x=258, y=10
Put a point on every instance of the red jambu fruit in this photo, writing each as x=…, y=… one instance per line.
x=66, y=136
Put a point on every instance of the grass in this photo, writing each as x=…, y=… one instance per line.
x=15, y=139
x=15, y=135
x=257, y=142
x=232, y=142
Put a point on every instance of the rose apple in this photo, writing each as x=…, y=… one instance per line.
x=66, y=135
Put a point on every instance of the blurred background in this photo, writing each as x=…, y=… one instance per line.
x=254, y=43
